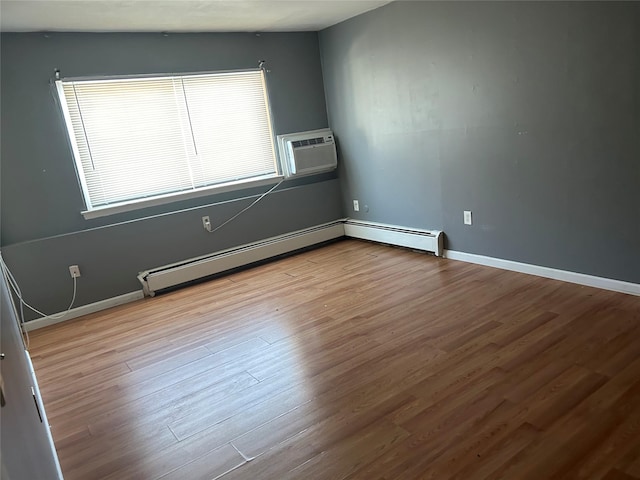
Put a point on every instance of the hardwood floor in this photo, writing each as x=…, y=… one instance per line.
x=352, y=361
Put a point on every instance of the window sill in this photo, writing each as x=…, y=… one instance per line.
x=176, y=197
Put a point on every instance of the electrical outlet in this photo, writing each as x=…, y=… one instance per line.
x=467, y=217
x=74, y=270
x=206, y=223
x=356, y=206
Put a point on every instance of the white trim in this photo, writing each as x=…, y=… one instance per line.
x=85, y=310
x=547, y=272
x=72, y=140
x=274, y=246
x=167, y=276
x=428, y=240
x=43, y=413
x=178, y=196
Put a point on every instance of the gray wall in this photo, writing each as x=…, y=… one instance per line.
x=527, y=114
x=42, y=229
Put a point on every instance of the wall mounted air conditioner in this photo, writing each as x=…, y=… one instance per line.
x=309, y=152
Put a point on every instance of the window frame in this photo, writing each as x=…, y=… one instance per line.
x=90, y=211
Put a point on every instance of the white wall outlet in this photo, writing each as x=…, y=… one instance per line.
x=356, y=206
x=206, y=223
x=74, y=270
x=467, y=217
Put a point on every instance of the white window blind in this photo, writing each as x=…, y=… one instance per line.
x=140, y=138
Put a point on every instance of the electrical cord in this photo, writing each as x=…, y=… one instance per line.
x=10, y=282
x=5, y=273
x=247, y=208
x=13, y=284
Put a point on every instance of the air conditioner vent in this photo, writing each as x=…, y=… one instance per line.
x=307, y=142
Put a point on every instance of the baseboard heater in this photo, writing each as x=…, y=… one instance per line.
x=193, y=269
x=427, y=240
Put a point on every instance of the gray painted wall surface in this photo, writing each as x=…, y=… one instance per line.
x=527, y=114
x=42, y=229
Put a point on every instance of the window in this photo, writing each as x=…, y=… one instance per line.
x=150, y=140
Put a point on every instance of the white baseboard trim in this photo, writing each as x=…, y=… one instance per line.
x=547, y=272
x=383, y=236
x=84, y=310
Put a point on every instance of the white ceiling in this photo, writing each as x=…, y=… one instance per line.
x=178, y=15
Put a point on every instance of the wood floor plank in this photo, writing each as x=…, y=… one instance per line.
x=318, y=438
x=489, y=460
x=618, y=475
x=247, y=418
x=87, y=459
x=212, y=465
x=629, y=458
x=353, y=360
x=569, y=441
x=346, y=456
x=560, y=395
x=615, y=446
